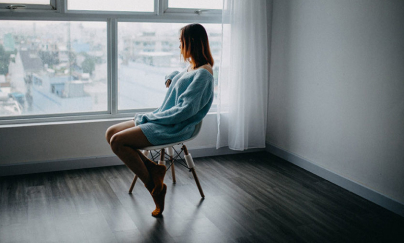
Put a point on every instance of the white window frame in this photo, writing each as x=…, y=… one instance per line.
x=5, y=7
x=161, y=14
x=189, y=11
x=110, y=12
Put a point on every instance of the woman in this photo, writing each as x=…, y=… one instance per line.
x=188, y=100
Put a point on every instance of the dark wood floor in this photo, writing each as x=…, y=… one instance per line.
x=254, y=197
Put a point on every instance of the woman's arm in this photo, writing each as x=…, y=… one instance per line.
x=190, y=102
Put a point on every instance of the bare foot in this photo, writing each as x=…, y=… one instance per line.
x=159, y=201
x=157, y=174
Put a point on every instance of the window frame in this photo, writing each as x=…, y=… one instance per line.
x=5, y=7
x=160, y=15
x=91, y=12
x=190, y=11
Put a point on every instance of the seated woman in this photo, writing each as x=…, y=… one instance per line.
x=188, y=100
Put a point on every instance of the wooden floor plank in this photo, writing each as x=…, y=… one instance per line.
x=251, y=197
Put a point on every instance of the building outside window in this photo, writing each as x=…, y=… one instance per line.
x=62, y=71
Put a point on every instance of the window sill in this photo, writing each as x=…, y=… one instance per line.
x=73, y=120
x=65, y=120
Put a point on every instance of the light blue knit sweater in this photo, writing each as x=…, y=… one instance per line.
x=186, y=103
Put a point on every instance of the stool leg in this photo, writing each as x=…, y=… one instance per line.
x=170, y=152
x=197, y=183
x=146, y=153
x=132, y=185
x=162, y=159
x=194, y=174
x=173, y=169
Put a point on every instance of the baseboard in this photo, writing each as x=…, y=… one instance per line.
x=91, y=162
x=345, y=183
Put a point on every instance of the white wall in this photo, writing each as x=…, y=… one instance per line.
x=74, y=140
x=337, y=88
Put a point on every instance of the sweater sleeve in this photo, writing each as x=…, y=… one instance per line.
x=171, y=76
x=190, y=102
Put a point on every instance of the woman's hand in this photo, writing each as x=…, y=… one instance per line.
x=168, y=82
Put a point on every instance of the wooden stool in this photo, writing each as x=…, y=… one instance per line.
x=173, y=156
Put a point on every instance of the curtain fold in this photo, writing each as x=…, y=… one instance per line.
x=243, y=79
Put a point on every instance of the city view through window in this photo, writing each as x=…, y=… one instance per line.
x=52, y=67
x=61, y=67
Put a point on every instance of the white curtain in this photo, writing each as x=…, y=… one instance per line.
x=243, y=77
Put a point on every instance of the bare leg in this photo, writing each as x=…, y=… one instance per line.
x=126, y=139
x=125, y=145
x=112, y=130
x=117, y=128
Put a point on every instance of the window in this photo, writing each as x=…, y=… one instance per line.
x=108, y=5
x=91, y=59
x=49, y=72
x=28, y=4
x=43, y=2
x=207, y=7
x=196, y=4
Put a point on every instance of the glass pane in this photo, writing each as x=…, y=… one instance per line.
x=108, y=5
x=52, y=67
x=196, y=4
x=149, y=51
x=46, y=2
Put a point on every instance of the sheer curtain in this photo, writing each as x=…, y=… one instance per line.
x=243, y=78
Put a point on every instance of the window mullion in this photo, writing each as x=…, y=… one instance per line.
x=157, y=8
x=112, y=30
x=163, y=5
x=61, y=6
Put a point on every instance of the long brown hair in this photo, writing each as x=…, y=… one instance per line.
x=195, y=45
